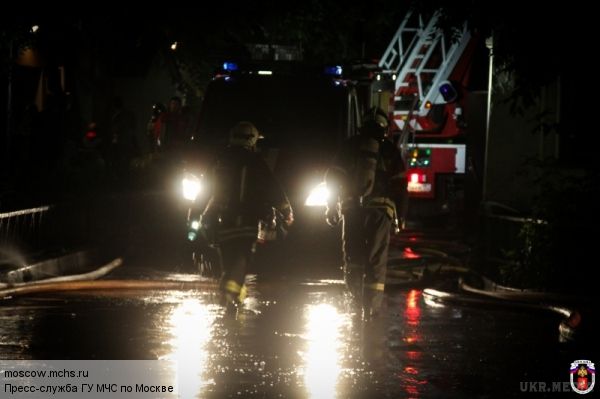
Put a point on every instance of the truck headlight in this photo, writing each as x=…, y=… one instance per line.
x=191, y=186
x=318, y=196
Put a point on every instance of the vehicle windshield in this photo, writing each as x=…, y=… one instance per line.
x=286, y=110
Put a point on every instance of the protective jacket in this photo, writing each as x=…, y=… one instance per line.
x=244, y=190
x=368, y=172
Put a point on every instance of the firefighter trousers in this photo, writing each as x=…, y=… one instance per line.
x=366, y=237
x=236, y=254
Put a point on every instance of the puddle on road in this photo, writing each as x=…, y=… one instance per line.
x=291, y=340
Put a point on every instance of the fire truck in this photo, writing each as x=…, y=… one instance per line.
x=304, y=113
x=422, y=81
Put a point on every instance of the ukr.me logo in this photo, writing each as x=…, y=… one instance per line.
x=583, y=376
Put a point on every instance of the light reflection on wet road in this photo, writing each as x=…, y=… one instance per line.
x=296, y=340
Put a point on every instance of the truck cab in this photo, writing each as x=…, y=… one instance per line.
x=304, y=113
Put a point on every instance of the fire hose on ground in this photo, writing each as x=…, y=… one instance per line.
x=458, y=284
x=432, y=270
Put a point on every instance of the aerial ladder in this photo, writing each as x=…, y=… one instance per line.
x=429, y=69
x=422, y=58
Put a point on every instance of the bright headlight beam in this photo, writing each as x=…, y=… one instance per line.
x=191, y=187
x=318, y=196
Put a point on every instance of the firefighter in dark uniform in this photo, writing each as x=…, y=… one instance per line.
x=368, y=182
x=244, y=192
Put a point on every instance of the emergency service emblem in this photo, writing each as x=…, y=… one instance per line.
x=583, y=376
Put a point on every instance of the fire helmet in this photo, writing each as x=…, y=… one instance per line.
x=244, y=134
x=375, y=123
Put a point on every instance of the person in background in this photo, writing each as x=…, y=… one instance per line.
x=121, y=139
x=175, y=129
x=154, y=127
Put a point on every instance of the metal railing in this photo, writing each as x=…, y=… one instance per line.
x=28, y=234
x=22, y=231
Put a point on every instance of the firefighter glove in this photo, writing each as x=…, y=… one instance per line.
x=287, y=215
x=333, y=216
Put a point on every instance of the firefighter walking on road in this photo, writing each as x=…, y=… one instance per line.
x=368, y=184
x=244, y=193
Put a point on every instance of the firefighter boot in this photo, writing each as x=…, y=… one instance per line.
x=232, y=296
x=372, y=300
x=229, y=301
x=353, y=277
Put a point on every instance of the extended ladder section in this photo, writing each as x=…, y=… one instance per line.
x=421, y=57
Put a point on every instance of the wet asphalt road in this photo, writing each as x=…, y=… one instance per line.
x=296, y=337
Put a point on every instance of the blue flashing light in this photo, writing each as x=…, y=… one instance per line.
x=334, y=70
x=230, y=66
x=448, y=92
